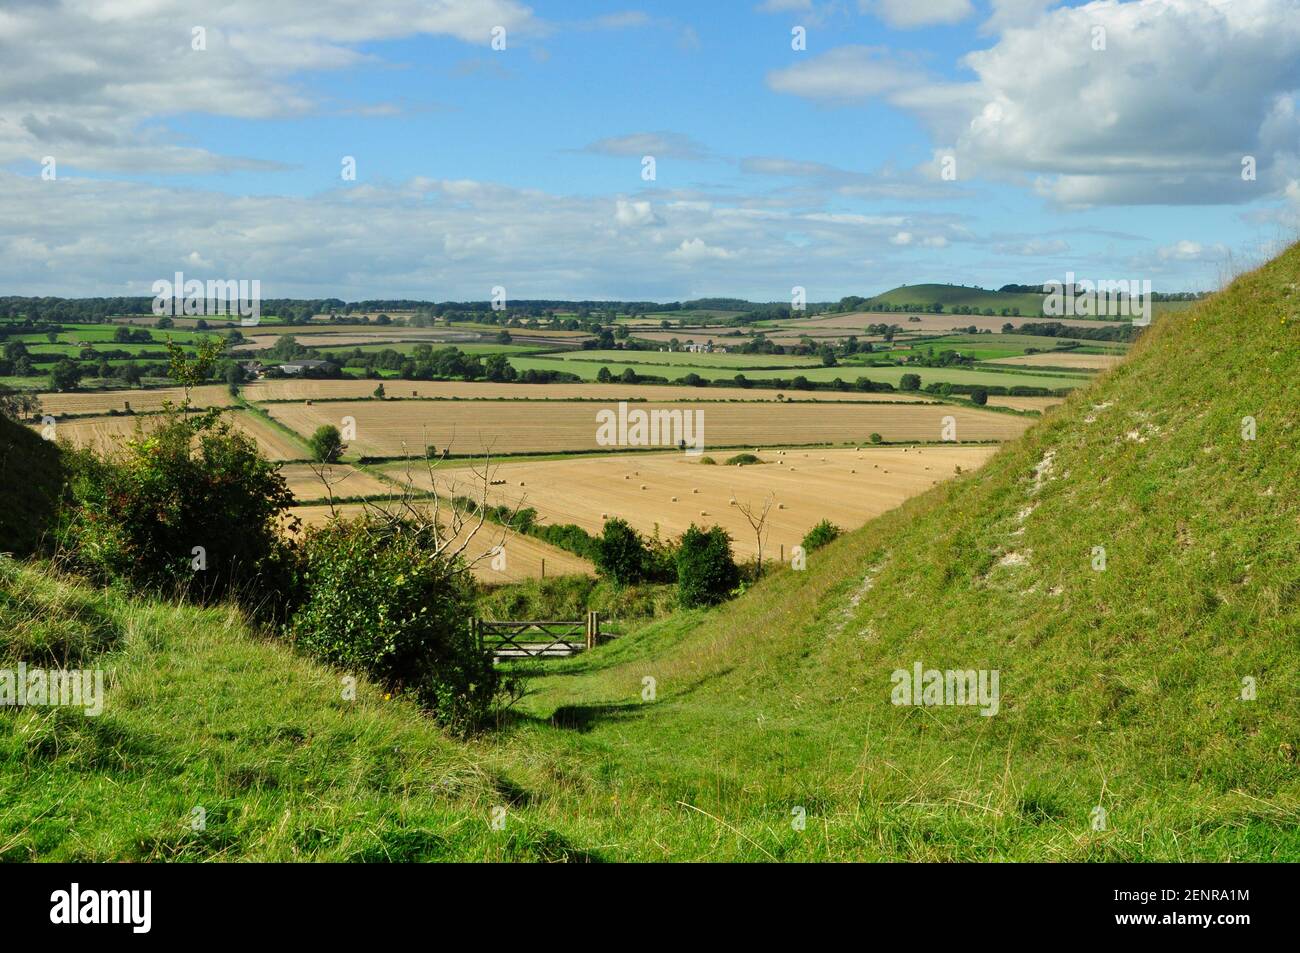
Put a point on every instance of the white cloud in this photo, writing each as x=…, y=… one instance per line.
x=901, y=238
x=1187, y=250
x=633, y=213
x=88, y=81
x=909, y=14
x=697, y=249
x=1121, y=126
x=848, y=72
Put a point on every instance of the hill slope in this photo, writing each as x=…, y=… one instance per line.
x=1119, y=689
x=953, y=296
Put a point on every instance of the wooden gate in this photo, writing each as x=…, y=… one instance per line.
x=538, y=639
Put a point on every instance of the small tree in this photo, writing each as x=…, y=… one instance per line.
x=757, y=519
x=65, y=375
x=327, y=444
x=706, y=571
x=910, y=382
x=379, y=392
x=979, y=396
x=876, y=438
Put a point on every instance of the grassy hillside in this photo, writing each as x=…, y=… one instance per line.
x=953, y=296
x=1120, y=689
x=30, y=477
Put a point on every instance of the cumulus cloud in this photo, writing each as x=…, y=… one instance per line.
x=1121, y=125
x=1186, y=250
x=433, y=238
x=87, y=81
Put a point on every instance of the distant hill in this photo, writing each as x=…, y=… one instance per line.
x=30, y=481
x=954, y=296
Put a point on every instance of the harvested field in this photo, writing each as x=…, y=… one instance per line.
x=105, y=434
x=1066, y=359
x=1025, y=403
x=934, y=322
x=317, y=390
x=324, y=339
x=809, y=486
x=524, y=555
x=397, y=428
x=92, y=402
x=344, y=481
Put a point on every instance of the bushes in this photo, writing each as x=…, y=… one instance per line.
x=821, y=534
x=743, y=460
x=623, y=555
x=379, y=599
x=189, y=506
x=706, y=571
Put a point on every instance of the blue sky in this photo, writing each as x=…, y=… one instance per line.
x=522, y=166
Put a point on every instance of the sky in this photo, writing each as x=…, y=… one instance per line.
x=438, y=149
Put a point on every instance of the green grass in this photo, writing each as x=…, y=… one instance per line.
x=1119, y=689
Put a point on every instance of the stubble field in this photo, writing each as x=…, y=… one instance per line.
x=406, y=428
x=848, y=487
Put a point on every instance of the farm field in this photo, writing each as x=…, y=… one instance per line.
x=674, y=359
x=524, y=555
x=479, y=390
x=1066, y=359
x=1024, y=403
x=407, y=346
x=847, y=372
x=400, y=428
x=92, y=402
x=105, y=434
x=344, y=481
x=848, y=487
x=929, y=323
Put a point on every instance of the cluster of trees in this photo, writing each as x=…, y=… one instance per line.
x=1055, y=329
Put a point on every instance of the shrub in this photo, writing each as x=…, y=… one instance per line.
x=380, y=600
x=198, y=482
x=910, y=382
x=742, y=459
x=708, y=461
x=623, y=556
x=327, y=444
x=979, y=396
x=706, y=571
x=820, y=535
x=876, y=438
